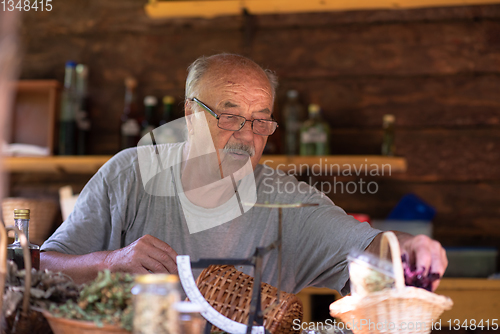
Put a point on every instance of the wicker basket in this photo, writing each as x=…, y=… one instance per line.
x=229, y=291
x=401, y=310
x=42, y=214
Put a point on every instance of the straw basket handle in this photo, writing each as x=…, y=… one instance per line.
x=390, y=241
x=3, y=265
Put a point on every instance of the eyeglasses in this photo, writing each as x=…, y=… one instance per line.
x=232, y=122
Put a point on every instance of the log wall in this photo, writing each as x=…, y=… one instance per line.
x=437, y=70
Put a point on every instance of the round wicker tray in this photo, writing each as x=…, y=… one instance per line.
x=229, y=291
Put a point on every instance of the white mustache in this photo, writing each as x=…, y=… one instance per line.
x=239, y=148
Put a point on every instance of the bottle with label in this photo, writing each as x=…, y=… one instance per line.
x=293, y=115
x=388, y=147
x=82, y=112
x=15, y=250
x=314, y=134
x=168, y=110
x=130, y=129
x=67, y=118
x=150, y=103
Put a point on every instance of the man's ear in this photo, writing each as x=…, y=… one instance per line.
x=188, y=112
x=187, y=108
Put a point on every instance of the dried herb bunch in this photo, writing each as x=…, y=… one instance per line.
x=47, y=288
x=106, y=300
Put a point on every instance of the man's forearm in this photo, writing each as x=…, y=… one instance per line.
x=374, y=246
x=81, y=268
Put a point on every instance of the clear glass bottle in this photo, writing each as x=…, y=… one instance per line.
x=388, y=147
x=130, y=121
x=150, y=103
x=15, y=250
x=67, y=118
x=293, y=115
x=82, y=112
x=314, y=134
x=154, y=296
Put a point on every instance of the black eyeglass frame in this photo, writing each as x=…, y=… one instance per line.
x=204, y=106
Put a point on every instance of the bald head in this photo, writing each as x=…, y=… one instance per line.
x=224, y=62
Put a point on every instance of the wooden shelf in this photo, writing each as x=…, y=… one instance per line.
x=55, y=164
x=323, y=164
x=213, y=8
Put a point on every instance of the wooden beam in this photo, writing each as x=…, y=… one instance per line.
x=304, y=164
x=213, y=8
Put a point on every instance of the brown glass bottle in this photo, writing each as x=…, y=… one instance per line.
x=130, y=128
x=15, y=250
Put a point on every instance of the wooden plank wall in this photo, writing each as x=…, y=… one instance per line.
x=437, y=70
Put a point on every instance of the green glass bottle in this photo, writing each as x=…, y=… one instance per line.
x=314, y=134
x=388, y=147
x=168, y=109
x=67, y=116
x=294, y=115
x=148, y=124
x=82, y=113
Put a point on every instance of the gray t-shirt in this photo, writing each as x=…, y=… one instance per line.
x=114, y=210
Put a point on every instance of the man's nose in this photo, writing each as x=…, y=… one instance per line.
x=245, y=133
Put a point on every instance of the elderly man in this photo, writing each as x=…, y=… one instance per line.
x=128, y=220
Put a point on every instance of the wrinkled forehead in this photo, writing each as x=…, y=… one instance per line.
x=251, y=78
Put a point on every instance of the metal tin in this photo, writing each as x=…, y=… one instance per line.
x=154, y=296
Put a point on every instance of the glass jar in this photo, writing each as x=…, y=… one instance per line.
x=154, y=296
x=190, y=319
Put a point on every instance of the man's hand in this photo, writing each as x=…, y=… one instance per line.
x=426, y=254
x=145, y=255
x=423, y=253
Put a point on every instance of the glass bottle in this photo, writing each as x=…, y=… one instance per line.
x=130, y=123
x=15, y=250
x=82, y=113
x=293, y=114
x=314, y=134
x=148, y=125
x=168, y=110
x=67, y=118
x=388, y=147
x=154, y=296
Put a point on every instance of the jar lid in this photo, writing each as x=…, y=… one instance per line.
x=188, y=307
x=21, y=214
x=157, y=278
